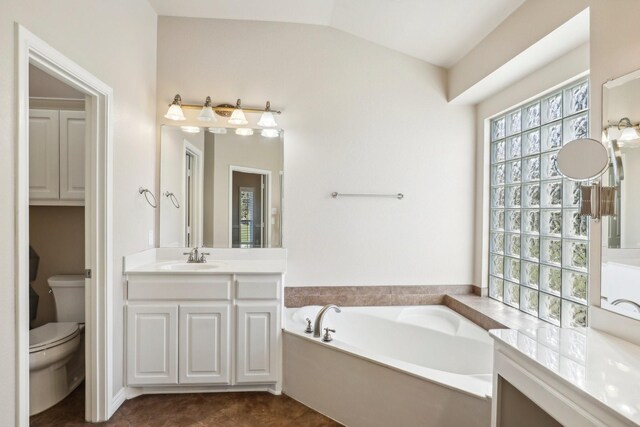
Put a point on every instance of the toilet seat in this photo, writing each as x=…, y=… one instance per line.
x=51, y=335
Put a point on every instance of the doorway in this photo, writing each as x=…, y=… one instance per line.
x=97, y=263
x=250, y=201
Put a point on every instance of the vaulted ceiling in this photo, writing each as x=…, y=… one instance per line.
x=437, y=31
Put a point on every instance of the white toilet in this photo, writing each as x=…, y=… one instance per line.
x=56, y=350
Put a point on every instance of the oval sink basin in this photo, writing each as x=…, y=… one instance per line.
x=189, y=267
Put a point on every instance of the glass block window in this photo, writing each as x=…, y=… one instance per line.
x=539, y=244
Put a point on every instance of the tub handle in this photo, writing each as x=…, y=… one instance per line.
x=327, y=336
x=309, y=328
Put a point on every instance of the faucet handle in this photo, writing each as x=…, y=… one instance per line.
x=309, y=328
x=327, y=336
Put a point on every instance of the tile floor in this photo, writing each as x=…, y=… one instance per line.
x=250, y=409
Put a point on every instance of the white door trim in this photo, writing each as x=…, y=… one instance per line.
x=98, y=224
x=265, y=215
x=197, y=177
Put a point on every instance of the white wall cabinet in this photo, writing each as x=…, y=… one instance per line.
x=187, y=330
x=56, y=157
x=152, y=350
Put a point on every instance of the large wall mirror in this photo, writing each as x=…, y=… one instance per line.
x=620, y=289
x=220, y=189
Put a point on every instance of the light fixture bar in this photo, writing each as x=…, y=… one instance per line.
x=230, y=109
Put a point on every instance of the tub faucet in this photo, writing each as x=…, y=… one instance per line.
x=317, y=326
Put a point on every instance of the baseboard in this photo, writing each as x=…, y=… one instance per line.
x=117, y=401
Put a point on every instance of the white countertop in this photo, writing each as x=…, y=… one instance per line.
x=600, y=365
x=219, y=261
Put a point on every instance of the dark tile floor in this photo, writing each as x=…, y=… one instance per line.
x=248, y=409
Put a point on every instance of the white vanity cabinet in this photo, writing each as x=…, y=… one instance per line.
x=217, y=331
x=56, y=157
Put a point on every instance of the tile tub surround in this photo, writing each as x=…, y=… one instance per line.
x=353, y=296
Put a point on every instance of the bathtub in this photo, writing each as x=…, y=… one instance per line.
x=413, y=366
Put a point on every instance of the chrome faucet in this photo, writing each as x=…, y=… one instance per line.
x=317, y=326
x=195, y=256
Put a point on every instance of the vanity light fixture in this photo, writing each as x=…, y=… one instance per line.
x=219, y=131
x=175, y=109
x=266, y=119
x=190, y=129
x=270, y=133
x=238, y=117
x=628, y=131
x=244, y=131
x=206, y=114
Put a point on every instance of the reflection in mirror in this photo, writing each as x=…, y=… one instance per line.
x=220, y=189
x=620, y=287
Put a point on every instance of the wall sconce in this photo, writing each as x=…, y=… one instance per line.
x=235, y=113
x=585, y=160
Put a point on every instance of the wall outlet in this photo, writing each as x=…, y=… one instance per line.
x=151, y=240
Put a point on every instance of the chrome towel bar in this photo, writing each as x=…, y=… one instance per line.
x=398, y=196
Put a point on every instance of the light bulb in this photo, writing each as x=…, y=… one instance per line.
x=175, y=109
x=238, y=117
x=244, y=131
x=270, y=133
x=267, y=120
x=207, y=113
x=219, y=131
x=190, y=129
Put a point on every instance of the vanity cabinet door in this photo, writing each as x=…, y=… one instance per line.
x=152, y=353
x=44, y=164
x=204, y=344
x=72, y=158
x=256, y=358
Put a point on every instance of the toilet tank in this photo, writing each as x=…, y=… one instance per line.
x=68, y=292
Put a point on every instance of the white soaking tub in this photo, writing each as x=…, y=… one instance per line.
x=413, y=366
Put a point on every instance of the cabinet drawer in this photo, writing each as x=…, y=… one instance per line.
x=179, y=288
x=258, y=287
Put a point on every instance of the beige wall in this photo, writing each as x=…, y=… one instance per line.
x=358, y=118
x=56, y=233
x=116, y=42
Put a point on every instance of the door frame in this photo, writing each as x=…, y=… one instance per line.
x=197, y=178
x=266, y=215
x=98, y=224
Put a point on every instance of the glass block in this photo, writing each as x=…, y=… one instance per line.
x=549, y=170
x=531, y=167
x=512, y=269
x=498, y=129
x=551, y=194
x=551, y=250
x=497, y=243
x=514, y=172
x=550, y=308
x=513, y=220
x=531, y=195
x=498, y=153
x=571, y=193
x=551, y=222
x=514, y=122
x=550, y=279
x=529, y=300
x=530, y=274
x=498, y=174
x=512, y=247
x=531, y=142
x=496, y=266
x=513, y=196
x=531, y=221
x=496, y=288
x=552, y=108
x=576, y=98
x=575, y=127
x=575, y=226
x=497, y=197
x=573, y=315
x=497, y=219
x=574, y=286
x=551, y=136
x=531, y=116
x=514, y=147
x=576, y=254
x=530, y=248
x=512, y=294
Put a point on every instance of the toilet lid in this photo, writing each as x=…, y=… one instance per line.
x=51, y=334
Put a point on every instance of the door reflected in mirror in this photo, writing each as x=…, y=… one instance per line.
x=220, y=190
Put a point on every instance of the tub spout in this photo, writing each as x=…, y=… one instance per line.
x=317, y=326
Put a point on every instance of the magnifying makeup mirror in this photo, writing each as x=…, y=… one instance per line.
x=583, y=159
